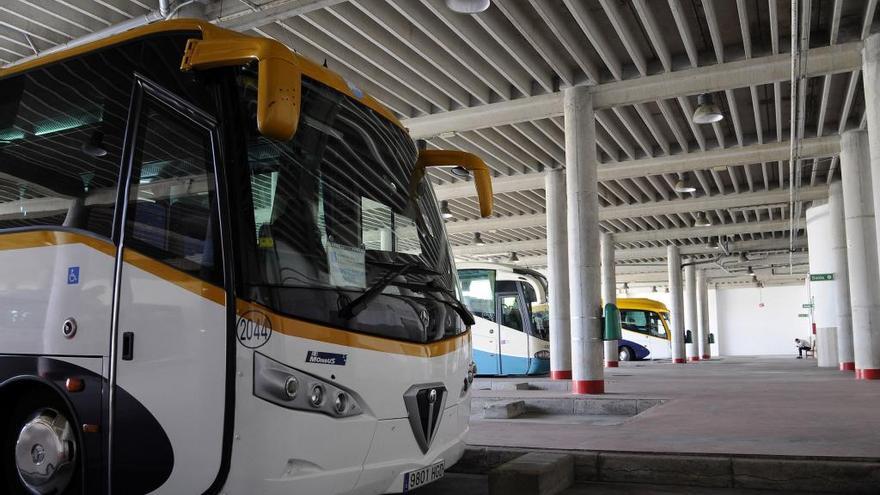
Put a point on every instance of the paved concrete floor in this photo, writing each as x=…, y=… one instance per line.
x=474, y=484
x=767, y=405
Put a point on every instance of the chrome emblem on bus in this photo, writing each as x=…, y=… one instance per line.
x=424, y=405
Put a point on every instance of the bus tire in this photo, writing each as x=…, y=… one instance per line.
x=624, y=353
x=35, y=409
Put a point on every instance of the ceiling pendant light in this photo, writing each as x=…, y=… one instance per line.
x=478, y=241
x=444, y=210
x=467, y=6
x=513, y=257
x=702, y=220
x=683, y=185
x=707, y=112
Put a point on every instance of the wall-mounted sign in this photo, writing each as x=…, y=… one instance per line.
x=803, y=315
x=821, y=277
x=807, y=305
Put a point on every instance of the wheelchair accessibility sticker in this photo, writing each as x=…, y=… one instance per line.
x=73, y=275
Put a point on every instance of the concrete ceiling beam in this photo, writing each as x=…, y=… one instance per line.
x=714, y=78
x=685, y=162
x=502, y=248
x=250, y=19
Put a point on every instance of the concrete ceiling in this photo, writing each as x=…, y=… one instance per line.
x=490, y=83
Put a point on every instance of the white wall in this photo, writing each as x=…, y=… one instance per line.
x=745, y=329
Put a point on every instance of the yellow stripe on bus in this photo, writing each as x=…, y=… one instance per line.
x=281, y=324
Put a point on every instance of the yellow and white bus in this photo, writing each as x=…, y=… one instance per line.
x=645, y=329
x=223, y=271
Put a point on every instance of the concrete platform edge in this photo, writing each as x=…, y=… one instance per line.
x=783, y=473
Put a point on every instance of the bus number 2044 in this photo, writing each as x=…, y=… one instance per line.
x=254, y=329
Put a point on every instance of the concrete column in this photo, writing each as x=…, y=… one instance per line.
x=823, y=293
x=861, y=247
x=676, y=299
x=609, y=292
x=845, y=358
x=583, y=241
x=557, y=268
x=703, y=315
x=690, y=312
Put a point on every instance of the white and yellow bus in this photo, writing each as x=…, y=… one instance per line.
x=645, y=329
x=223, y=271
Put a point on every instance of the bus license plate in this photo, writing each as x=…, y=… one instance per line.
x=423, y=476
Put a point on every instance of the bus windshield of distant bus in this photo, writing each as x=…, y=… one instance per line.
x=336, y=231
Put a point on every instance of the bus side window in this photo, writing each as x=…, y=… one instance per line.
x=633, y=320
x=172, y=210
x=61, y=133
x=511, y=315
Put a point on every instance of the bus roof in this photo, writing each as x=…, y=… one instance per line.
x=641, y=303
x=209, y=32
x=484, y=265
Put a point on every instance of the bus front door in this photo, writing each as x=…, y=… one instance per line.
x=173, y=331
x=513, y=340
x=485, y=346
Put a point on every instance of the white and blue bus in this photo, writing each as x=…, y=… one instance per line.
x=509, y=303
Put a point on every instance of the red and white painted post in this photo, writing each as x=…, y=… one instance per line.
x=690, y=311
x=557, y=268
x=582, y=190
x=845, y=358
x=861, y=243
x=609, y=293
x=868, y=367
x=673, y=259
x=703, y=314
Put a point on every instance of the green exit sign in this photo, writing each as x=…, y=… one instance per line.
x=821, y=277
x=807, y=305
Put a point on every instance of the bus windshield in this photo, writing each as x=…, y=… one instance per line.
x=333, y=215
x=538, y=312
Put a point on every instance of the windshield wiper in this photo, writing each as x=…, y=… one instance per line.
x=358, y=304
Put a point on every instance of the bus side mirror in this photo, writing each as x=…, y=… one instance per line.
x=279, y=84
x=467, y=161
x=611, y=329
x=711, y=338
x=688, y=337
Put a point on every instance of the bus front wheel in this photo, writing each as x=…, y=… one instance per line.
x=625, y=354
x=39, y=446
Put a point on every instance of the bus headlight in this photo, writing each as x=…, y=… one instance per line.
x=290, y=387
x=317, y=396
x=543, y=354
x=341, y=403
x=280, y=385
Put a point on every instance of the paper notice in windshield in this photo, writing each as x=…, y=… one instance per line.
x=347, y=266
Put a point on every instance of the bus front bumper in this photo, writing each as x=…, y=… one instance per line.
x=394, y=450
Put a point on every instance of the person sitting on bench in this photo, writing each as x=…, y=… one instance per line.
x=802, y=345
